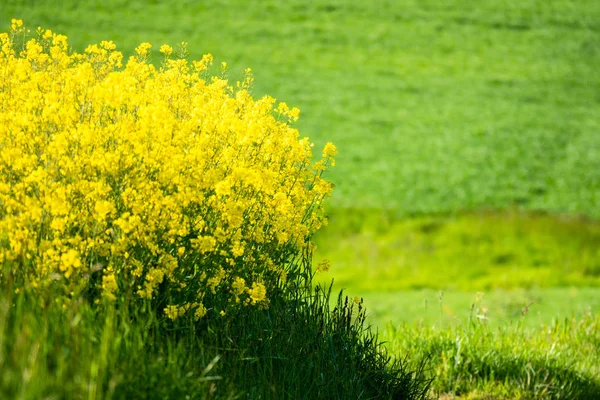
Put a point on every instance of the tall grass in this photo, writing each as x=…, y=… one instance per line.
x=300, y=348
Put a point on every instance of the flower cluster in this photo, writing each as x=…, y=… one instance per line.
x=156, y=181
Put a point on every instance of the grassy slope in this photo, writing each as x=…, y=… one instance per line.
x=435, y=106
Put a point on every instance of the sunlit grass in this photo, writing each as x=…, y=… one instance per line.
x=496, y=307
x=477, y=252
x=559, y=360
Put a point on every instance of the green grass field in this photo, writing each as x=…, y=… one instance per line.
x=469, y=159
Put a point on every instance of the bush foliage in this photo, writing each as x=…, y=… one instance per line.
x=162, y=183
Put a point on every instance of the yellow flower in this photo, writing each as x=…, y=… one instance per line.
x=323, y=266
x=143, y=49
x=69, y=261
x=204, y=244
x=329, y=150
x=16, y=23
x=109, y=286
x=166, y=49
x=103, y=208
x=200, y=311
x=258, y=292
x=238, y=286
x=172, y=312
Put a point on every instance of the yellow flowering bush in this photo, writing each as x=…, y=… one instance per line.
x=127, y=178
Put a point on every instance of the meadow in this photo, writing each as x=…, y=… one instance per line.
x=467, y=185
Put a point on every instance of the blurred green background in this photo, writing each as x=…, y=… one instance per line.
x=468, y=135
